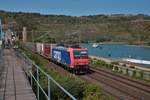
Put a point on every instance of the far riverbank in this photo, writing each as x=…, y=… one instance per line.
x=126, y=43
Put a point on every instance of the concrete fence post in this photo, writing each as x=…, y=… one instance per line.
x=113, y=68
x=119, y=69
x=138, y=73
x=124, y=70
x=146, y=75
x=130, y=71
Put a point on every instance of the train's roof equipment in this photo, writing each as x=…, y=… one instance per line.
x=69, y=45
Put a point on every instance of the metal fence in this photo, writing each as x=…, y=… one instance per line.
x=28, y=67
x=133, y=72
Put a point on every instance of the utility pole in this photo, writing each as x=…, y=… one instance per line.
x=32, y=36
x=24, y=34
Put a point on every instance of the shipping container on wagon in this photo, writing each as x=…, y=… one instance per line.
x=48, y=50
x=39, y=48
x=61, y=55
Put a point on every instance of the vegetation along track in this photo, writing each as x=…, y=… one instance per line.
x=119, y=86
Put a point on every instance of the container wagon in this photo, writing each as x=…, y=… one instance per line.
x=47, y=50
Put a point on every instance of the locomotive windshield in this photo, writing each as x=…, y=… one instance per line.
x=81, y=54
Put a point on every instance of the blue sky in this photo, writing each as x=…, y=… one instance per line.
x=77, y=7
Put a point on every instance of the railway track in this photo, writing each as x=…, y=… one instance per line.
x=132, y=82
x=124, y=88
x=109, y=88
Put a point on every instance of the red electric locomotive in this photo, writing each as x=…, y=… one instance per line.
x=73, y=58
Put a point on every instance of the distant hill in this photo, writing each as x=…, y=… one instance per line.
x=95, y=28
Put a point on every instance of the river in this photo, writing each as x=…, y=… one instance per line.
x=119, y=51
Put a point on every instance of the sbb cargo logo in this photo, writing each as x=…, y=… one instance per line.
x=57, y=55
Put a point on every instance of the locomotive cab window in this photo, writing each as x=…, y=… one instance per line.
x=80, y=54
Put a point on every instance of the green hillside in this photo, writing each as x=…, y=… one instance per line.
x=97, y=28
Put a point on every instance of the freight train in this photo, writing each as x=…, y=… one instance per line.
x=73, y=58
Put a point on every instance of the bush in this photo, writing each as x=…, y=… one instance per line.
x=93, y=93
